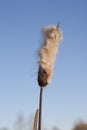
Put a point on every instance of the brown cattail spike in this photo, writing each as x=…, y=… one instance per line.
x=42, y=77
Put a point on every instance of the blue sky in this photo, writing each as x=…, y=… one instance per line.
x=65, y=99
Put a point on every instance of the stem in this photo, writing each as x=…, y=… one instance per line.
x=40, y=109
x=58, y=25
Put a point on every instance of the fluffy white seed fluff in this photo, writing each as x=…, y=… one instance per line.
x=51, y=41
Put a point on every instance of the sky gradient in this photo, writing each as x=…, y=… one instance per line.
x=65, y=99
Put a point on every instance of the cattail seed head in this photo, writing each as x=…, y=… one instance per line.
x=51, y=40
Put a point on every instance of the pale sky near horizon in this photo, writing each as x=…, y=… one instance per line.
x=65, y=99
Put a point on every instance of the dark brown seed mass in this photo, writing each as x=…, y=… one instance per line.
x=42, y=77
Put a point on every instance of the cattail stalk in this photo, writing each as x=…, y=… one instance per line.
x=40, y=109
x=51, y=40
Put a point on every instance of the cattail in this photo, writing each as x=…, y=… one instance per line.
x=51, y=40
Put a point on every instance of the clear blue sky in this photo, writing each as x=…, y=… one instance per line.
x=65, y=99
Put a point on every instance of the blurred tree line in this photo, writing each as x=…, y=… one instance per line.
x=20, y=124
x=80, y=125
